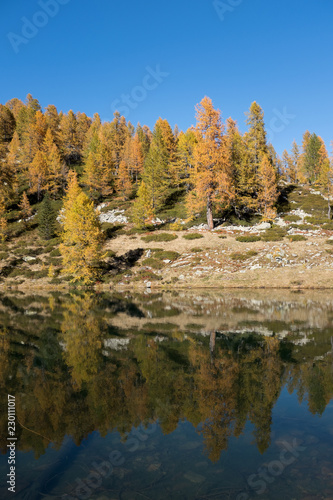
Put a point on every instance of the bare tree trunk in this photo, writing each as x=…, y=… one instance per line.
x=210, y=221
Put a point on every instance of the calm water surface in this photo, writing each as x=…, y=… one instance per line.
x=199, y=395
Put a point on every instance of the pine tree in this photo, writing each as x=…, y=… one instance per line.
x=155, y=173
x=255, y=149
x=46, y=219
x=81, y=238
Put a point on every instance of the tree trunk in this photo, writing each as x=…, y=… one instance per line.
x=209, y=213
x=212, y=341
x=329, y=208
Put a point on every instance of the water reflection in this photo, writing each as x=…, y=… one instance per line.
x=203, y=370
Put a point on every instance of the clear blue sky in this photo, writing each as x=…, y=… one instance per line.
x=88, y=54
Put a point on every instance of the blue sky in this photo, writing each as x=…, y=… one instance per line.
x=87, y=55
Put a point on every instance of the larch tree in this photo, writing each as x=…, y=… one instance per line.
x=212, y=180
x=81, y=238
x=38, y=174
x=3, y=220
x=55, y=166
x=325, y=182
x=25, y=208
x=142, y=208
x=124, y=185
x=267, y=192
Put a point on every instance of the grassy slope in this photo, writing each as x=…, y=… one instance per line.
x=209, y=259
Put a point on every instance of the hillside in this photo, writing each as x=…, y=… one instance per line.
x=295, y=251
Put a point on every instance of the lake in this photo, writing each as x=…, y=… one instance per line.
x=199, y=395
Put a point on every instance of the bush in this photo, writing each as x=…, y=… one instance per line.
x=165, y=254
x=329, y=242
x=328, y=226
x=274, y=234
x=222, y=236
x=145, y=274
x=154, y=263
x=55, y=253
x=304, y=227
x=192, y=236
x=297, y=237
x=316, y=220
x=248, y=239
x=243, y=256
x=292, y=217
x=196, y=250
x=3, y=255
x=159, y=237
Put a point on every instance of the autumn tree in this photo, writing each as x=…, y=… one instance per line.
x=212, y=180
x=81, y=236
x=142, y=208
x=3, y=220
x=124, y=184
x=267, y=192
x=38, y=174
x=26, y=210
x=56, y=169
x=325, y=182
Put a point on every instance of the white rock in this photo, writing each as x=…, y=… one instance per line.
x=28, y=258
x=262, y=226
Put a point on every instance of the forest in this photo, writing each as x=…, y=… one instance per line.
x=60, y=166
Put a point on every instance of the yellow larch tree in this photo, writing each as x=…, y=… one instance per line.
x=212, y=179
x=267, y=191
x=81, y=237
x=3, y=220
x=124, y=184
x=26, y=210
x=38, y=174
x=142, y=209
